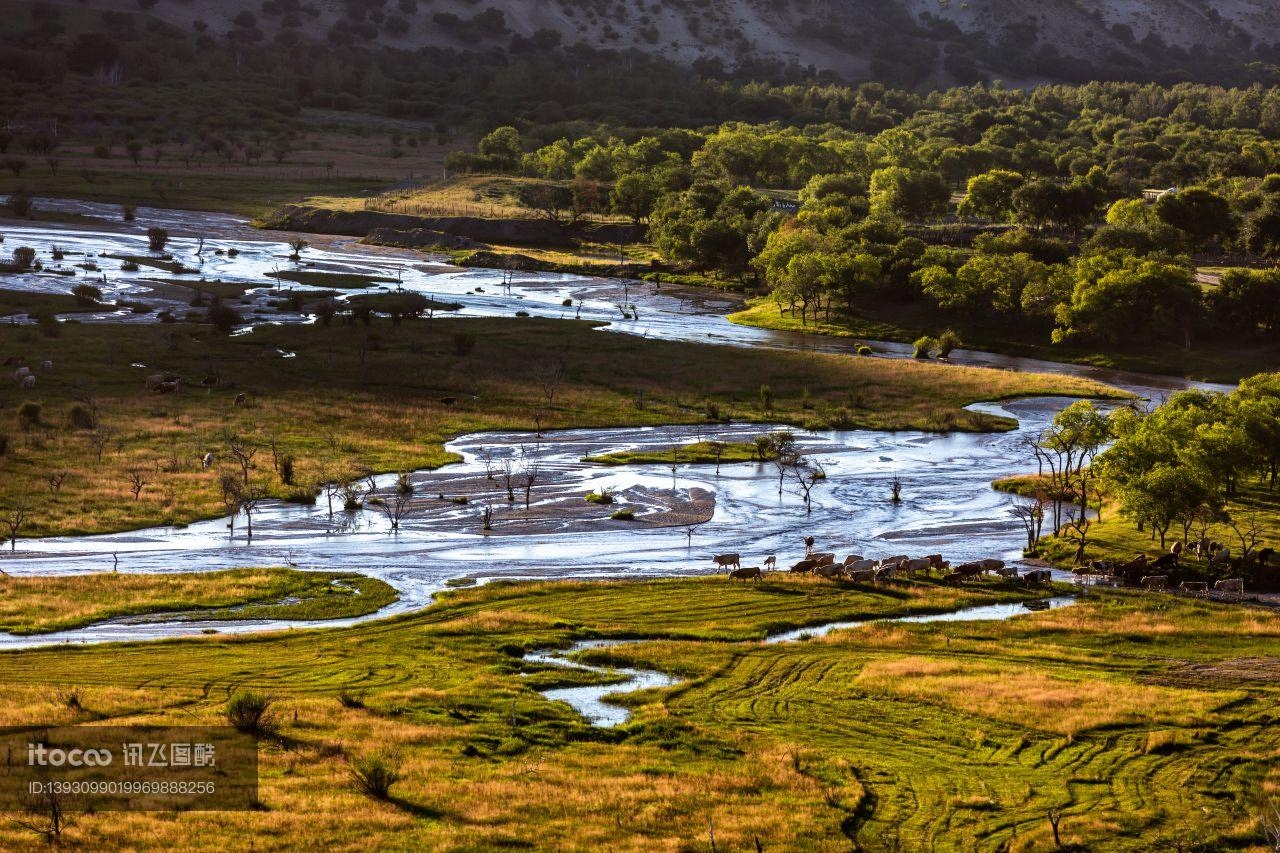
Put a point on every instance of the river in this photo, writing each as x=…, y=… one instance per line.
x=947, y=503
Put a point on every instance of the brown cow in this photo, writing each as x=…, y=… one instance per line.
x=724, y=561
x=954, y=579
x=752, y=573
x=830, y=570
x=804, y=566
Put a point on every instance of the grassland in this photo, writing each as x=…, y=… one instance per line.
x=697, y=453
x=23, y=302
x=342, y=281
x=1150, y=722
x=385, y=398
x=1216, y=361
x=37, y=605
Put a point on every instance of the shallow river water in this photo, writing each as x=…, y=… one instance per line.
x=948, y=505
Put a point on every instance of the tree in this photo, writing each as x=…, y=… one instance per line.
x=1121, y=297
x=1260, y=233
x=910, y=194
x=1198, y=213
x=990, y=195
x=14, y=517
x=13, y=164
x=138, y=480
x=634, y=195
x=502, y=148
x=243, y=450
x=157, y=239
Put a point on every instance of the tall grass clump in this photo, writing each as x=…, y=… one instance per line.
x=251, y=713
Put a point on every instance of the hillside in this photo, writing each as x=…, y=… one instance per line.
x=911, y=42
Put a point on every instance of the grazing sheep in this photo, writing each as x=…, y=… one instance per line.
x=28, y=382
x=1196, y=587
x=1155, y=582
x=21, y=373
x=241, y=399
x=1231, y=585
x=206, y=461
x=751, y=573
x=46, y=366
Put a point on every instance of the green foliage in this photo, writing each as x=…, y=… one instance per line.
x=252, y=713
x=375, y=774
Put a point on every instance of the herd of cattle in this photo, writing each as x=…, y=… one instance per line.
x=857, y=568
x=22, y=374
x=1140, y=571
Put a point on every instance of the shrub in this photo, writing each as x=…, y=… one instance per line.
x=128, y=210
x=947, y=342
x=252, y=714
x=463, y=343
x=47, y=320
x=375, y=773
x=604, y=496
x=924, y=347
x=223, y=317
x=766, y=398
x=29, y=415
x=865, y=350
x=129, y=266
x=623, y=515
x=404, y=483
x=286, y=470
x=157, y=239
x=350, y=700
x=20, y=203
x=24, y=257
x=87, y=294
x=82, y=417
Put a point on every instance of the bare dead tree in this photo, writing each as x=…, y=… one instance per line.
x=99, y=438
x=46, y=816
x=55, y=481
x=717, y=449
x=530, y=471
x=14, y=515
x=242, y=450
x=809, y=473
x=486, y=456
x=138, y=480
x=396, y=507
x=1248, y=529
x=1055, y=818
x=507, y=466
x=1032, y=517
x=785, y=454
x=249, y=500
x=549, y=380
x=1270, y=820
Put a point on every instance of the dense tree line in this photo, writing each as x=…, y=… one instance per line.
x=1087, y=209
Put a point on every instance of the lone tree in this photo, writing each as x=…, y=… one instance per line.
x=297, y=245
x=242, y=450
x=14, y=516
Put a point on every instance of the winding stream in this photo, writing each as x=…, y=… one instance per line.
x=948, y=505
x=591, y=700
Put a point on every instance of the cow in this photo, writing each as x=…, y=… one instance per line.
x=829, y=570
x=1195, y=587
x=954, y=579
x=860, y=565
x=1036, y=577
x=823, y=559
x=1220, y=556
x=1176, y=548
x=14, y=361
x=751, y=573
x=770, y=563
x=1155, y=582
x=206, y=461
x=449, y=401
x=894, y=560
x=885, y=573
x=1008, y=572
x=168, y=387
x=46, y=366
x=804, y=566
x=1265, y=555
x=154, y=381
x=969, y=570
x=924, y=564
x=852, y=558
x=241, y=399
x=1165, y=561
x=936, y=562
x=808, y=545
x=990, y=565
x=1231, y=586
x=860, y=575
x=724, y=561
